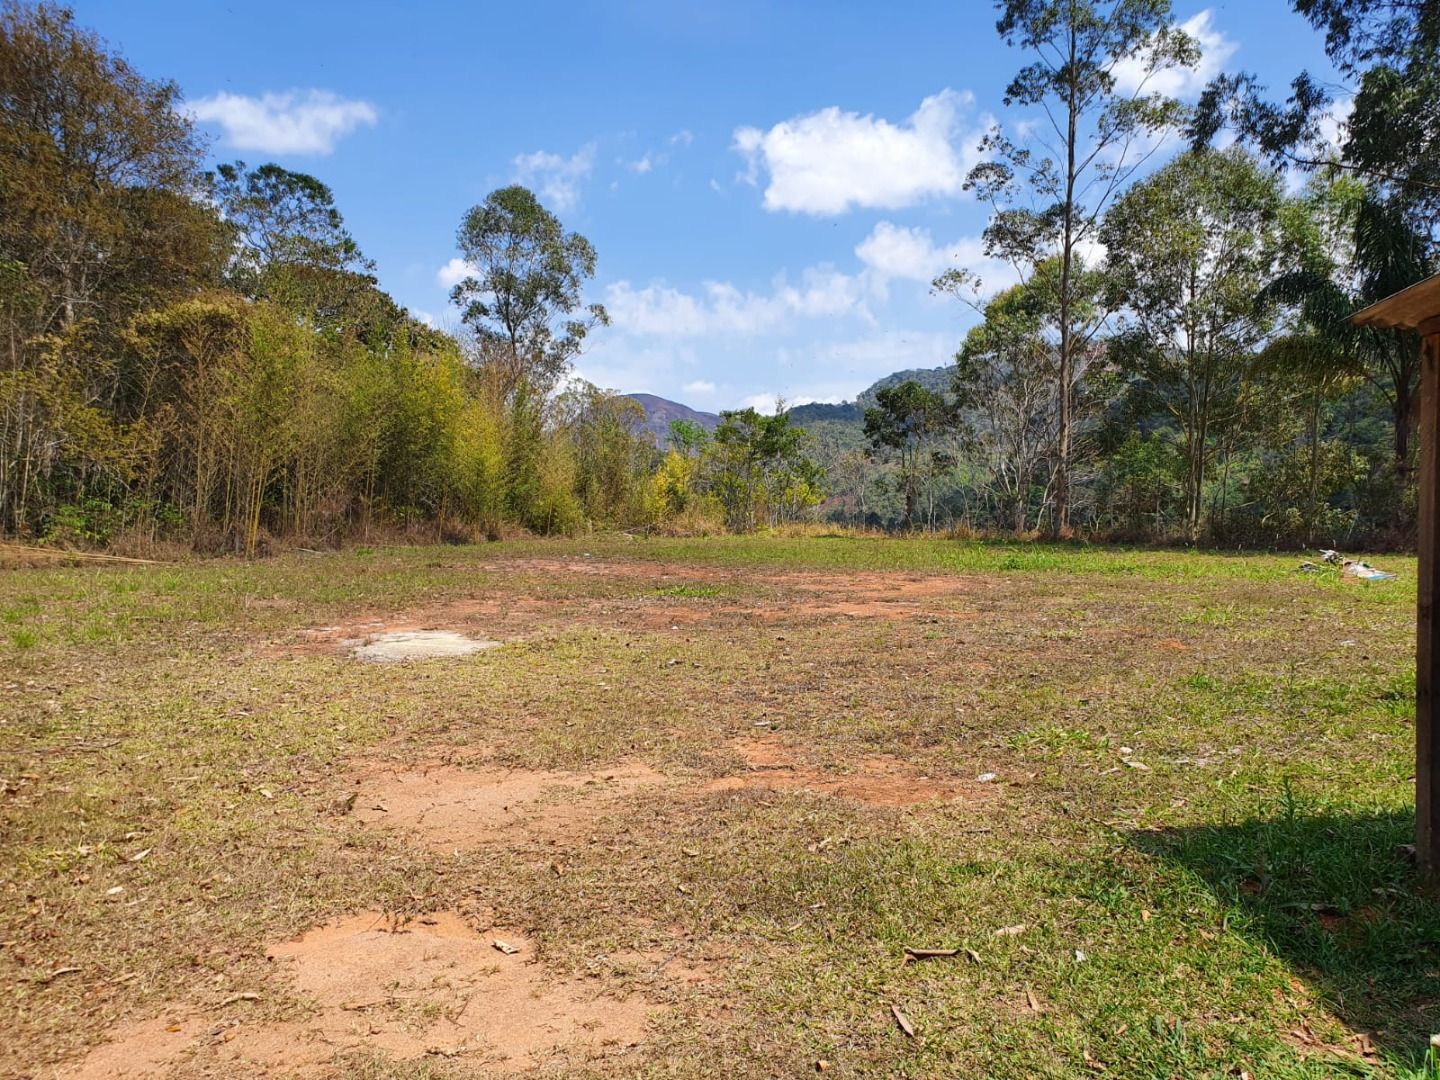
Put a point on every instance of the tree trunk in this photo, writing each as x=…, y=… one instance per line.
x=1403, y=416
x=1067, y=260
x=1314, y=433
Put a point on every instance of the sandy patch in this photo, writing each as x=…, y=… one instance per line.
x=404, y=645
x=451, y=807
x=432, y=986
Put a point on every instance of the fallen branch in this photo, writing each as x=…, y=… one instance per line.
x=63, y=553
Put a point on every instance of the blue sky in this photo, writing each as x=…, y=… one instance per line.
x=770, y=187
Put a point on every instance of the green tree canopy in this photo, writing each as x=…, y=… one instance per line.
x=1048, y=197
x=522, y=298
x=905, y=419
x=1189, y=250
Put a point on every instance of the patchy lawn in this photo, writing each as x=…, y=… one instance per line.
x=688, y=818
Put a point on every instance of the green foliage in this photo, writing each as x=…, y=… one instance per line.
x=281, y=219
x=1139, y=489
x=906, y=420
x=758, y=469
x=211, y=348
x=522, y=299
x=1190, y=248
x=1050, y=194
x=688, y=437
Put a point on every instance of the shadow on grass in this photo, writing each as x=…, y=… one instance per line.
x=1336, y=897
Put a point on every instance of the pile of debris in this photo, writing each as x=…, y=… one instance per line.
x=1355, y=568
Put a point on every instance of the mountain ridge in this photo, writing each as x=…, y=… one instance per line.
x=660, y=412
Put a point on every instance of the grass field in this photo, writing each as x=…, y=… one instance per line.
x=709, y=792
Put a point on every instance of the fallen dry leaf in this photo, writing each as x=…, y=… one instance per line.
x=1011, y=931
x=928, y=954
x=903, y=1020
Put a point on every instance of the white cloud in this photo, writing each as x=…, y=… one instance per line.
x=655, y=159
x=766, y=404
x=1134, y=72
x=721, y=308
x=295, y=122
x=699, y=386
x=1334, y=129
x=622, y=364
x=1091, y=251
x=866, y=359
x=1334, y=125
x=557, y=178
x=849, y=366
x=453, y=272
x=829, y=161
x=894, y=251
x=424, y=317
x=909, y=254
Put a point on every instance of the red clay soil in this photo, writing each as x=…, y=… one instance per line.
x=801, y=597
x=878, y=780
x=432, y=987
x=449, y=807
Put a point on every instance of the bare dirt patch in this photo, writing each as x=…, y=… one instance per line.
x=877, y=780
x=432, y=986
x=501, y=617
x=451, y=807
x=752, y=598
x=799, y=594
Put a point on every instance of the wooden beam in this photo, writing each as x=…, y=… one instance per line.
x=1427, y=641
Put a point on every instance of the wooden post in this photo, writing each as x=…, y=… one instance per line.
x=1427, y=641
x=1418, y=308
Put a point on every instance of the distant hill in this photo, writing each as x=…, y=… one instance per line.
x=845, y=412
x=853, y=412
x=659, y=412
x=847, y=415
x=930, y=378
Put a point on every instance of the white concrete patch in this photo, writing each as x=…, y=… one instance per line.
x=419, y=645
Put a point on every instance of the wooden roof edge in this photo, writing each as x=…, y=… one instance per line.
x=1406, y=309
